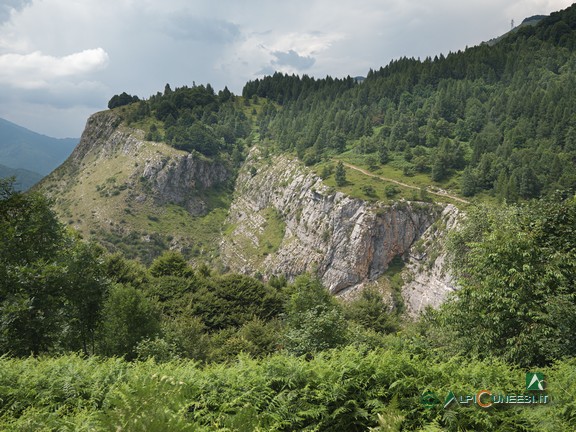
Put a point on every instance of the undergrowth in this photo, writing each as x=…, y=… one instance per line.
x=349, y=390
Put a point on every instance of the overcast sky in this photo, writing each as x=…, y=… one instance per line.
x=62, y=60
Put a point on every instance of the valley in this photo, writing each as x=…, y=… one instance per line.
x=312, y=254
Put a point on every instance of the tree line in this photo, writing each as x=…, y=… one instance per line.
x=190, y=118
x=493, y=119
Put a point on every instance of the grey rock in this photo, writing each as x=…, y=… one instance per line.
x=428, y=283
x=345, y=241
x=170, y=177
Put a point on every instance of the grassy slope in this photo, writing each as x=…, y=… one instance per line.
x=100, y=203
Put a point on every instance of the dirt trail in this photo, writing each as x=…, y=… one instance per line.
x=439, y=193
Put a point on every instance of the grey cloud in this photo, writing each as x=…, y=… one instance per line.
x=61, y=95
x=8, y=5
x=208, y=30
x=268, y=70
x=292, y=58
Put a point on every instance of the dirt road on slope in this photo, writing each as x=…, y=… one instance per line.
x=438, y=193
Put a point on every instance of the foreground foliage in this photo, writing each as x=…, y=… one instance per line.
x=348, y=390
x=516, y=267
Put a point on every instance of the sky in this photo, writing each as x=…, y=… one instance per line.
x=62, y=60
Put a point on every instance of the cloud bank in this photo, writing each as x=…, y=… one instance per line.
x=37, y=70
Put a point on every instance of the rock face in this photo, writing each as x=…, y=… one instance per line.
x=132, y=194
x=177, y=180
x=346, y=241
x=427, y=281
x=170, y=176
x=102, y=138
x=140, y=197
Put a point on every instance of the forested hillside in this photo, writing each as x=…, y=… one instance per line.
x=492, y=119
x=193, y=119
x=498, y=119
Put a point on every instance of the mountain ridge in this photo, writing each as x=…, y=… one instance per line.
x=24, y=179
x=21, y=148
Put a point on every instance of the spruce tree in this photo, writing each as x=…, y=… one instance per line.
x=340, y=174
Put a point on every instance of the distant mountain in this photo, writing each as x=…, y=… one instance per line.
x=21, y=148
x=25, y=179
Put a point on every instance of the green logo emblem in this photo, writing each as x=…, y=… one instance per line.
x=535, y=381
x=450, y=397
x=429, y=399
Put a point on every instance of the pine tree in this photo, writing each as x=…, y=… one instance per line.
x=383, y=154
x=340, y=174
x=468, y=182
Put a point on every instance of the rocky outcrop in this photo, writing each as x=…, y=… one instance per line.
x=178, y=179
x=167, y=175
x=102, y=139
x=345, y=241
x=427, y=279
x=283, y=219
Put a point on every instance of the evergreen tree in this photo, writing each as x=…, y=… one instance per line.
x=468, y=182
x=439, y=170
x=383, y=154
x=340, y=174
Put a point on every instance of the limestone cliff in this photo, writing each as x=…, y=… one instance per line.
x=143, y=197
x=346, y=241
x=171, y=176
x=121, y=189
x=427, y=281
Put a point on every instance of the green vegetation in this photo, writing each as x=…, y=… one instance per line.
x=347, y=390
x=92, y=341
x=394, y=275
x=51, y=285
x=193, y=119
x=181, y=347
x=494, y=118
x=273, y=233
x=121, y=100
x=340, y=174
x=517, y=270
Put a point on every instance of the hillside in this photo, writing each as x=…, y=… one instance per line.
x=24, y=179
x=530, y=21
x=251, y=184
x=21, y=148
x=137, y=196
x=490, y=121
x=271, y=216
